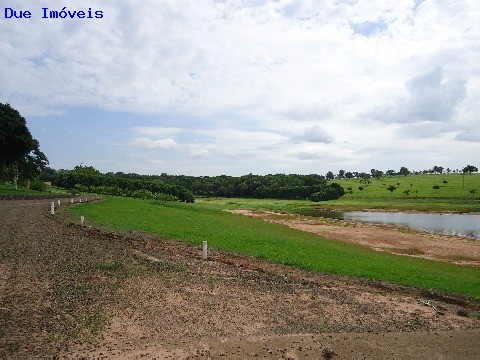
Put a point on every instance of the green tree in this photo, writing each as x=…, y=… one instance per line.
x=330, y=176
x=473, y=191
x=404, y=171
x=20, y=154
x=469, y=169
x=391, y=188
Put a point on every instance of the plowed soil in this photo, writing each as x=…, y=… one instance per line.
x=74, y=291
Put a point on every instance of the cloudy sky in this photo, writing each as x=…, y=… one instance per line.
x=210, y=87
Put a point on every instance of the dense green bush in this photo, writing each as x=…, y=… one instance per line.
x=143, y=194
x=330, y=192
x=115, y=185
x=38, y=186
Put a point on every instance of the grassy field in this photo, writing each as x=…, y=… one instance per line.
x=450, y=197
x=10, y=190
x=206, y=220
x=450, y=186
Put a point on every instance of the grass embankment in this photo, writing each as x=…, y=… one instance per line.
x=10, y=190
x=206, y=221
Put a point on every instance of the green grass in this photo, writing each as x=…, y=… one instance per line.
x=456, y=186
x=206, y=221
x=8, y=189
x=451, y=197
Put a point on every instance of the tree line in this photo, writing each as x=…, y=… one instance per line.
x=183, y=188
x=404, y=171
x=22, y=160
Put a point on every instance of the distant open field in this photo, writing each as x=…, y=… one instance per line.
x=207, y=221
x=450, y=186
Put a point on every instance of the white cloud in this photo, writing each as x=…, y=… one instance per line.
x=162, y=144
x=248, y=77
x=198, y=153
x=471, y=136
x=430, y=98
x=156, y=131
x=314, y=134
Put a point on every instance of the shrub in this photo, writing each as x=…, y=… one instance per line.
x=38, y=186
x=143, y=194
x=164, y=197
x=81, y=188
x=331, y=192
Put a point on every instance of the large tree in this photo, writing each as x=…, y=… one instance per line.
x=20, y=154
x=404, y=171
x=469, y=169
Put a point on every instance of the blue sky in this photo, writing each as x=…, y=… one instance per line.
x=212, y=87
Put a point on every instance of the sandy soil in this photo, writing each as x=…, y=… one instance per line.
x=74, y=291
x=454, y=249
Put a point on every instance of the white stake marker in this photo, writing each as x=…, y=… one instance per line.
x=71, y=201
x=204, y=253
x=59, y=202
x=82, y=220
x=52, y=208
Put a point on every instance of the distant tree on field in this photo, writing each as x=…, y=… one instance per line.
x=436, y=187
x=473, y=191
x=469, y=169
x=438, y=169
x=349, y=175
x=330, y=176
x=404, y=171
x=391, y=188
x=341, y=174
x=377, y=174
x=406, y=192
x=390, y=173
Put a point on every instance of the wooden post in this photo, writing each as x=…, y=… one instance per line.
x=204, y=253
x=82, y=220
x=52, y=208
x=71, y=201
x=59, y=202
x=79, y=200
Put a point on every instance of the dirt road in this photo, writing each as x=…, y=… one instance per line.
x=71, y=291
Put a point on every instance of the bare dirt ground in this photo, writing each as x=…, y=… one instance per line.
x=69, y=291
x=402, y=241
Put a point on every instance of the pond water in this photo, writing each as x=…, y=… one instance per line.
x=448, y=224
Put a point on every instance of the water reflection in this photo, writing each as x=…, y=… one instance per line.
x=448, y=224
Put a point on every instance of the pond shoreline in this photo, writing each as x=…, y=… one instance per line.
x=392, y=239
x=400, y=211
